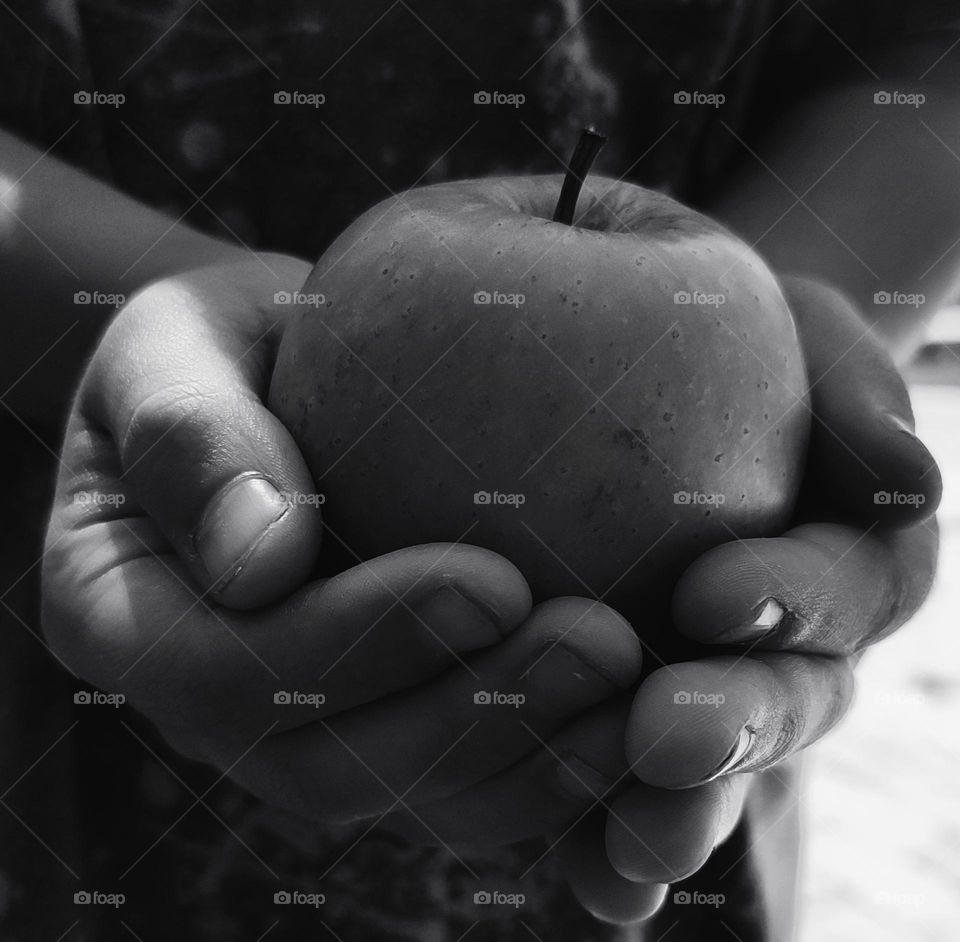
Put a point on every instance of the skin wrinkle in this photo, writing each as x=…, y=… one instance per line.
x=821, y=622
x=794, y=723
x=790, y=726
x=787, y=736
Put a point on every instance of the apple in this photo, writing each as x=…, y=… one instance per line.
x=600, y=400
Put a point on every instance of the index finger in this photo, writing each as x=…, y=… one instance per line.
x=864, y=458
x=820, y=588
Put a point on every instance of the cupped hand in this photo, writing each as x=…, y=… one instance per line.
x=177, y=571
x=788, y=616
x=182, y=502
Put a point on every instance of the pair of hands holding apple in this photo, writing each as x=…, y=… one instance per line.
x=170, y=420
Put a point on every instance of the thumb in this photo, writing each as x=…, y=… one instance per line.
x=212, y=467
x=864, y=455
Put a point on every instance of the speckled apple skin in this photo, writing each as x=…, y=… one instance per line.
x=599, y=398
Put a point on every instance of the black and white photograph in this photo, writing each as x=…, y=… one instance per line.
x=480, y=472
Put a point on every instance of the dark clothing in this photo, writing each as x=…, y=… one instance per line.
x=399, y=105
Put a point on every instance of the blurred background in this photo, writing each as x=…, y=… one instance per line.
x=882, y=855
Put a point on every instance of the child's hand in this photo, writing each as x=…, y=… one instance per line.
x=790, y=613
x=824, y=590
x=169, y=478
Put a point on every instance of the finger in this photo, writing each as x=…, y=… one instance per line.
x=864, y=455
x=379, y=628
x=122, y=610
x=212, y=466
x=579, y=767
x=820, y=588
x=455, y=731
x=655, y=835
x=693, y=722
x=596, y=884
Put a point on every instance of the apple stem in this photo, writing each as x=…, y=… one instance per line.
x=590, y=144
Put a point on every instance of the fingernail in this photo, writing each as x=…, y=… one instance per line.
x=770, y=615
x=234, y=523
x=896, y=423
x=737, y=754
x=563, y=678
x=459, y=622
x=578, y=779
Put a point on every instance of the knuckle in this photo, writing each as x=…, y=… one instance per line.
x=158, y=412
